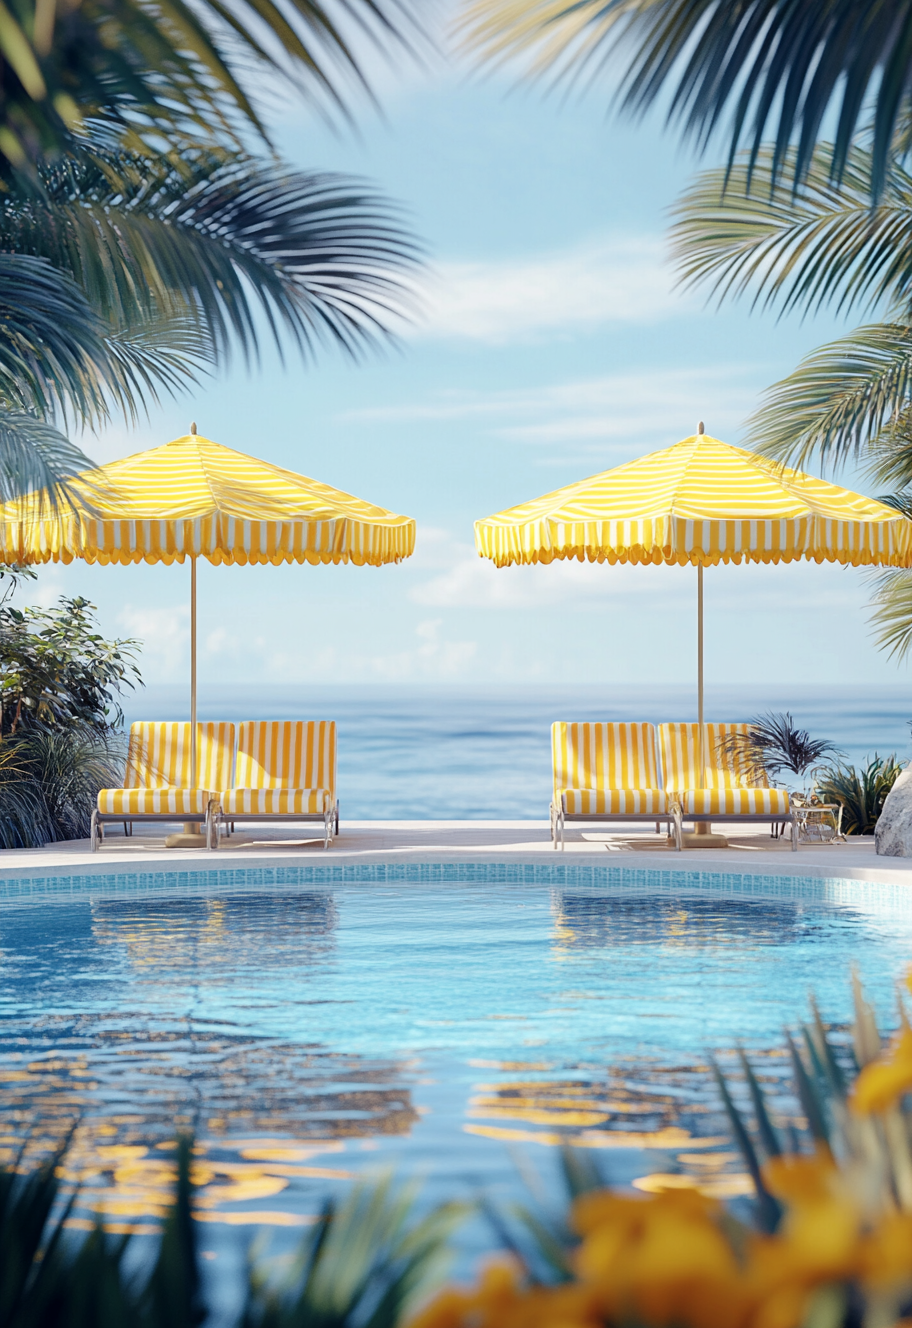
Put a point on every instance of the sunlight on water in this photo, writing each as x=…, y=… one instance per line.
x=308, y=1035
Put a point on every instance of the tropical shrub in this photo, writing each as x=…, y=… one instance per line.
x=861, y=793
x=60, y=720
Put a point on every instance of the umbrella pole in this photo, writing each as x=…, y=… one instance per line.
x=193, y=673
x=700, y=656
x=191, y=836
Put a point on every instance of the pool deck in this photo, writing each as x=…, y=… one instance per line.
x=446, y=841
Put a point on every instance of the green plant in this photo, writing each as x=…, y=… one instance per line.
x=156, y=71
x=788, y=68
x=773, y=744
x=56, y=670
x=861, y=793
x=362, y=1266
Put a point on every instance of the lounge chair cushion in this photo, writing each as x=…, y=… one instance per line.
x=736, y=801
x=608, y=802
x=276, y=801
x=149, y=801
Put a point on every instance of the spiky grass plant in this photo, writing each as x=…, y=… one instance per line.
x=49, y=783
x=772, y=744
x=861, y=793
x=362, y=1266
x=828, y=1245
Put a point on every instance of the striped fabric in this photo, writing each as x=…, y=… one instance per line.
x=194, y=498
x=722, y=786
x=606, y=768
x=607, y=802
x=277, y=802
x=704, y=502
x=157, y=777
x=736, y=801
x=283, y=767
x=147, y=802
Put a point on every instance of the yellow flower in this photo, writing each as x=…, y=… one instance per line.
x=881, y=1082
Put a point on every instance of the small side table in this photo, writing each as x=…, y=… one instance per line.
x=820, y=822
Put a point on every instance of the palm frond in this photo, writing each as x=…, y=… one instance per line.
x=838, y=399
x=155, y=70
x=773, y=743
x=209, y=240
x=761, y=69
x=37, y=458
x=746, y=231
x=52, y=351
x=892, y=611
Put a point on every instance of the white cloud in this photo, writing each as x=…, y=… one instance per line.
x=165, y=637
x=619, y=279
x=467, y=581
x=615, y=415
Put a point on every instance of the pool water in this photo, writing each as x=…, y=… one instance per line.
x=454, y=1028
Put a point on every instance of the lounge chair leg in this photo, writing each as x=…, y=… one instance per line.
x=552, y=812
x=679, y=829
x=96, y=840
x=337, y=816
x=560, y=826
x=794, y=831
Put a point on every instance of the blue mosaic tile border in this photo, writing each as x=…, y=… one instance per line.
x=878, y=895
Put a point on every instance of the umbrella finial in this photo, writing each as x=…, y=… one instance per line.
x=699, y=429
x=193, y=427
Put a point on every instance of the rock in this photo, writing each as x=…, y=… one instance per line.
x=893, y=832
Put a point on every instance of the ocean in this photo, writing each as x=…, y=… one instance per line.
x=422, y=753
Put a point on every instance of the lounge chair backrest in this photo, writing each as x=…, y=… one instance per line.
x=603, y=756
x=158, y=755
x=680, y=750
x=727, y=769
x=292, y=754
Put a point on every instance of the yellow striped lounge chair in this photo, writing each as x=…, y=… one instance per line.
x=605, y=772
x=285, y=771
x=723, y=790
x=157, y=781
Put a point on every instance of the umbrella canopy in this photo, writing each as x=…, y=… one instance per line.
x=700, y=502
x=194, y=498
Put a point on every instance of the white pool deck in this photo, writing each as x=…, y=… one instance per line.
x=440, y=841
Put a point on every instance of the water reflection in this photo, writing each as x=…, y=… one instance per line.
x=640, y=1104
x=591, y=921
x=262, y=1111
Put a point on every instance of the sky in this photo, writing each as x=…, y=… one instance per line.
x=553, y=344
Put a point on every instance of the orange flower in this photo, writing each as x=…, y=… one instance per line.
x=881, y=1082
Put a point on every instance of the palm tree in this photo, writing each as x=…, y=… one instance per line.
x=774, y=69
x=154, y=69
x=121, y=276
x=744, y=232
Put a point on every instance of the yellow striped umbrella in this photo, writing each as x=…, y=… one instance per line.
x=700, y=502
x=195, y=499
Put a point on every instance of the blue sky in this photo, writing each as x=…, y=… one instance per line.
x=553, y=345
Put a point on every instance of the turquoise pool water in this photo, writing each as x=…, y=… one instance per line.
x=310, y=1024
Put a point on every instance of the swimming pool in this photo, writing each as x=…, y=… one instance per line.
x=312, y=1023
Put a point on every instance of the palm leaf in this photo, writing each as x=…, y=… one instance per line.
x=745, y=231
x=210, y=241
x=158, y=69
x=838, y=399
x=37, y=458
x=892, y=611
x=760, y=68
